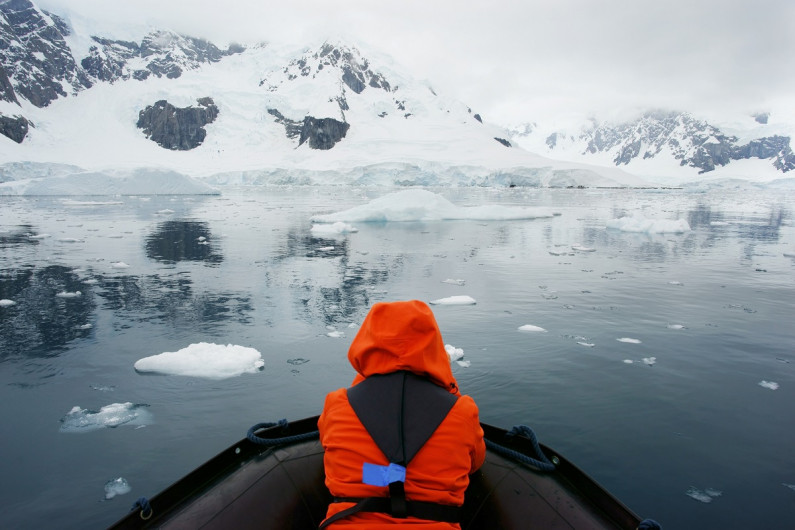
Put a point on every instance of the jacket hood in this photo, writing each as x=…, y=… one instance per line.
x=401, y=336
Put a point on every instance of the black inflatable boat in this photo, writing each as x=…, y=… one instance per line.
x=250, y=485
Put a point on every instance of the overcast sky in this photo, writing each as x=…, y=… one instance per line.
x=526, y=60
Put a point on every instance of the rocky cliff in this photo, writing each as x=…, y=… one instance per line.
x=177, y=128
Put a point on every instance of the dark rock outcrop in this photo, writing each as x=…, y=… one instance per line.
x=503, y=141
x=323, y=133
x=177, y=128
x=15, y=128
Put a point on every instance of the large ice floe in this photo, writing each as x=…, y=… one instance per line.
x=80, y=420
x=639, y=223
x=423, y=205
x=210, y=361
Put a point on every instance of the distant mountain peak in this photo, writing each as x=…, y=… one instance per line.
x=660, y=134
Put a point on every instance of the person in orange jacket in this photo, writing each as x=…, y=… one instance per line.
x=401, y=442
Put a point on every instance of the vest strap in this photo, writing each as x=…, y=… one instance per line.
x=430, y=511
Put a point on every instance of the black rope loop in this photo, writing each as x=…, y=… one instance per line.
x=145, y=507
x=270, y=442
x=541, y=463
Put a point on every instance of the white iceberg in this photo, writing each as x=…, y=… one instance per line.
x=116, y=486
x=454, y=300
x=532, y=328
x=423, y=205
x=639, y=223
x=79, y=420
x=211, y=361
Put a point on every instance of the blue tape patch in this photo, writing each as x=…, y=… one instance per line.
x=375, y=475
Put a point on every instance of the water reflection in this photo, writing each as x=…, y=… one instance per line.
x=18, y=235
x=175, y=241
x=53, y=307
x=172, y=300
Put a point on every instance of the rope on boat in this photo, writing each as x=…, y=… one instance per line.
x=649, y=524
x=283, y=423
x=146, y=508
x=542, y=463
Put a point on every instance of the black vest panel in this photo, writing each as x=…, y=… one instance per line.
x=400, y=411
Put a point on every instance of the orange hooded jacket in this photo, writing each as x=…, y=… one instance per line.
x=400, y=336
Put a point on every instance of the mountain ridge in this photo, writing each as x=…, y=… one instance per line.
x=678, y=138
x=112, y=102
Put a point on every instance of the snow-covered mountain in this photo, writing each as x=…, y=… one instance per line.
x=73, y=104
x=263, y=113
x=672, y=147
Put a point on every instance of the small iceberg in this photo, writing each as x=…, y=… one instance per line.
x=116, y=486
x=66, y=294
x=79, y=420
x=703, y=496
x=639, y=223
x=629, y=340
x=531, y=328
x=456, y=355
x=769, y=384
x=454, y=300
x=211, y=361
x=5, y=302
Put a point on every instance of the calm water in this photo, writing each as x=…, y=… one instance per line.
x=714, y=307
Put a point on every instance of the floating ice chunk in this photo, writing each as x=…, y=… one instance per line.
x=639, y=223
x=211, y=361
x=675, y=326
x=201, y=238
x=651, y=361
x=464, y=364
x=165, y=212
x=5, y=302
x=769, y=384
x=336, y=228
x=790, y=486
x=119, y=265
x=85, y=326
x=789, y=254
x=703, y=496
x=454, y=300
x=532, y=328
x=455, y=354
x=40, y=236
x=69, y=240
x=586, y=344
x=335, y=334
x=80, y=420
x=423, y=205
x=116, y=486
x=580, y=248
x=628, y=361
x=674, y=282
x=718, y=223
x=454, y=281
x=66, y=294
x=629, y=340
x=325, y=249
x=69, y=202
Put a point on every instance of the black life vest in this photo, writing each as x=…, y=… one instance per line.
x=400, y=412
